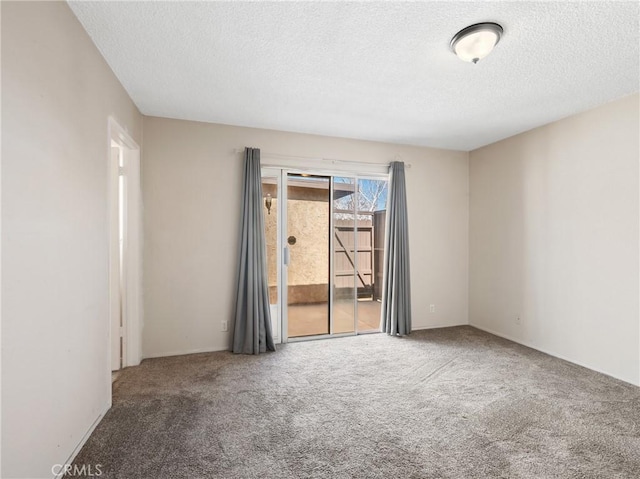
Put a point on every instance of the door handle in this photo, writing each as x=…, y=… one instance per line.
x=287, y=257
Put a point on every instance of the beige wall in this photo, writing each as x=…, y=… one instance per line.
x=192, y=187
x=57, y=93
x=554, y=238
x=308, y=221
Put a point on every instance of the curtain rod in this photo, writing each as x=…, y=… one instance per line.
x=326, y=160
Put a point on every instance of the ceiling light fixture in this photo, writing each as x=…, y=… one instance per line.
x=476, y=41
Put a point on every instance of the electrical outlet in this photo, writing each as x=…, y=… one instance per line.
x=432, y=308
x=225, y=326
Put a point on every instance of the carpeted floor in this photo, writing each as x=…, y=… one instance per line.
x=445, y=403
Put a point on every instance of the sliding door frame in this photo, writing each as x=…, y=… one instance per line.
x=281, y=173
x=358, y=178
x=279, y=325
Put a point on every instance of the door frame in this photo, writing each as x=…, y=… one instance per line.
x=132, y=258
x=276, y=323
x=281, y=171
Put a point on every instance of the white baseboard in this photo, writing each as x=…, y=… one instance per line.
x=184, y=352
x=83, y=440
x=438, y=326
x=550, y=353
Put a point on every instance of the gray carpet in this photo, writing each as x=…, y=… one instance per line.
x=445, y=403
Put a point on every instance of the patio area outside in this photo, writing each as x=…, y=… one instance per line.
x=312, y=319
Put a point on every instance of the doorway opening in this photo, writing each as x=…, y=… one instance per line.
x=125, y=256
x=325, y=252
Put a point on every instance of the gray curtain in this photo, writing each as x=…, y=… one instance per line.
x=396, y=290
x=252, y=327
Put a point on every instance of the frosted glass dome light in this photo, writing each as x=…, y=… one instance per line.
x=475, y=42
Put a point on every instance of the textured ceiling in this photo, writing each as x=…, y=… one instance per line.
x=378, y=71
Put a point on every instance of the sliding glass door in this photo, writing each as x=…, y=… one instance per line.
x=325, y=237
x=371, y=224
x=344, y=254
x=307, y=261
